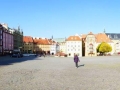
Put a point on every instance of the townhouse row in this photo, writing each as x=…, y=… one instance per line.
x=10, y=39
x=83, y=45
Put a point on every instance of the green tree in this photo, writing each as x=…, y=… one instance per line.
x=104, y=48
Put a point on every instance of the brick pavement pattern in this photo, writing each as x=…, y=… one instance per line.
x=52, y=73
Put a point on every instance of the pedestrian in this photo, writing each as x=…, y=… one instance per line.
x=76, y=60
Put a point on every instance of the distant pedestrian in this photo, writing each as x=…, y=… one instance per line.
x=44, y=54
x=76, y=60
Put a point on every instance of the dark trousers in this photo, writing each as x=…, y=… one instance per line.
x=76, y=64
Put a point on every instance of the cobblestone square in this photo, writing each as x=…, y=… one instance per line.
x=54, y=73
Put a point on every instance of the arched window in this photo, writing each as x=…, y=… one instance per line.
x=91, y=47
x=117, y=47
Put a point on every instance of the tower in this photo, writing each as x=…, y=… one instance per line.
x=104, y=31
x=52, y=37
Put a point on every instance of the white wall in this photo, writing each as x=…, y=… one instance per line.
x=113, y=47
x=53, y=49
x=74, y=47
x=63, y=47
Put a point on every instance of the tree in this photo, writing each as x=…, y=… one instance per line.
x=104, y=48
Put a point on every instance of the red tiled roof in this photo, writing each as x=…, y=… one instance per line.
x=73, y=38
x=42, y=41
x=102, y=37
x=27, y=39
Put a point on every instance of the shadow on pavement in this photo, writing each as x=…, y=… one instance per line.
x=10, y=60
x=81, y=65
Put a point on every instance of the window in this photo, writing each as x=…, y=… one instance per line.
x=91, y=48
x=117, y=45
x=69, y=54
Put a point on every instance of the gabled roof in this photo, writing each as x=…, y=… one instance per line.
x=42, y=41
x=27, y=39
x=73, y=38
x=102, y=37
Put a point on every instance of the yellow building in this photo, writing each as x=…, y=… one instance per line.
x=42, y=44
x=28, y=44
x=62, y=47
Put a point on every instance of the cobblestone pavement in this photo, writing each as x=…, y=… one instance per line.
x=52, y=73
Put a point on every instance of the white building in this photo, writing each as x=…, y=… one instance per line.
x=62, y=47
x=54, y=48
x=115, y=37
x=74, y=46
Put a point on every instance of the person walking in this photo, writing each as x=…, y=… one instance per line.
x=76, y=60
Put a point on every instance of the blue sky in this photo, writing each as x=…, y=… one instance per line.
x=61, y=18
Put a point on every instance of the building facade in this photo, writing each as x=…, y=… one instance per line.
x=93, y=40
x=62, y=47
x=7, y=40
x=61, y=44
x=1, y=39
x=28, y=44
x=42, y=44
x=53, y=49
x=18, y=38
x=115, y=37
x=74, y=46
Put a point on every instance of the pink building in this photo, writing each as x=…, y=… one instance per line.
x=7, y=39
x=1, y=34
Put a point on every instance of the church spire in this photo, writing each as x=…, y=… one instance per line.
x=104, y=31
x=52, y=37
